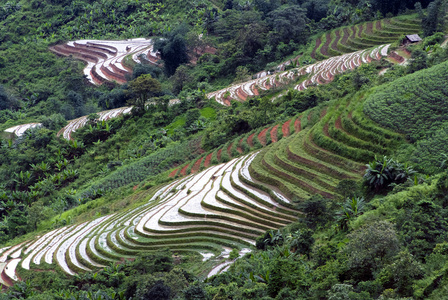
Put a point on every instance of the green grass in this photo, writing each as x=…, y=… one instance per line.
x=179, y=122
x=260, y=172
x=296, y=176
x=208, y=112
x=317, y=174
x=296, y=152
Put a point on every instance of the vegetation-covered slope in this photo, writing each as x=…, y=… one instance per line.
x=416, y=105
x=358, y=37
x=329, y=206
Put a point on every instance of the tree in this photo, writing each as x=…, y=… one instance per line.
x=401, y=273
x=141, y=69
x=17, y=222
x=242, y=74
x=144, y=87
x=370, y=248
x=251, y=38
x=54, y=122
x=419, y=61
x=352, y=208
x=158, y=292
x=315, y=209
x=422, y=227
x=301, y=241
x=434, y=21
x=289, y=23
x=4, y=99
x=7, y=101
x=232, y=21
x=173, y=49
x=419, y=9
x=180, y=78
x=36, y=213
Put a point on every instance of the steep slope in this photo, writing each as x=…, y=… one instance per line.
x=106, y=59
x=319, y=73
x=203, y=212
x=319, y=156
x=361, y=36
x=416, y=105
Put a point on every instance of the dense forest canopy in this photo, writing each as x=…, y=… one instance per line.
x=359, y=150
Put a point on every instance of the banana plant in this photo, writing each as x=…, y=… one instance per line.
x=22, y=178
x=351, y=209
x=62, y=164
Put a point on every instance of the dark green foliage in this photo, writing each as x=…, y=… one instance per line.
x=382, y=172
x=289, y=23
x=117, y=97
x=226, y=126
x=419, y=61
x=434, y=20
x=302, y=241
x=394, y=6
x=142, y=69
x=173, y=49
x=157, y=292
x=370, y=248
x=195, y=292
x=144, y=88
x=7, y=101
x=429, y=153
x=423, y=225
x=269, y=239
x=442, y=189
x=350, y=210
x=436, y=38
x=301, y=101
x=348, y=188
x=139, y=279
x=54, y=122
x=316, y=211
x=191, y=116
x=401, y=274
x=98, y=131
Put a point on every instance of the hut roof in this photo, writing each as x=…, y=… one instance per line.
x=413, y=38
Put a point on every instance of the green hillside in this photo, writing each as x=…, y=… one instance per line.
x=360, y=36
x=223, y=150
x=415, y=105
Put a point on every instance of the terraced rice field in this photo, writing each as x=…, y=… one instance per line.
x=208, y=212
x=227, y=205
x=304, y=161
x=318, y=73
x=73, y=125
x=105, y=59
x=19, y=130
x=317, y=158
x=362, y=36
